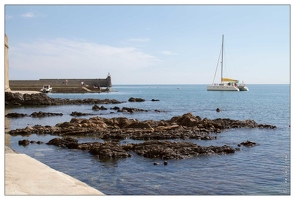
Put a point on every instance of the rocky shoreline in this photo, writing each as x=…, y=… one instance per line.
x=19, y=99
x=155, y=136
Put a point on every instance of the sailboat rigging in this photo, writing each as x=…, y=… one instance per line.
x=226, y=84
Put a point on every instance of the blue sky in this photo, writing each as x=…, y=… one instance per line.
x=149, y=44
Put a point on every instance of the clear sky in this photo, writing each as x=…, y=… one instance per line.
x=149, y=44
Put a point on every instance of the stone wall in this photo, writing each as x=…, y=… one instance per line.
x=60, y=82
x=6, y=65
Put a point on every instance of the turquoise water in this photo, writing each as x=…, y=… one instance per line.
x=260, y=170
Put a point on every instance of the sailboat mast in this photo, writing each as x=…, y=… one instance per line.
x=222, y=59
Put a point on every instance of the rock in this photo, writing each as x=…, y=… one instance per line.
x=115, y=108
x=155, y=100
x=159, y=110
x=266, y=126
x=36, y=142
x=176, y=150
x=15, y=115
x=218, y=110
x=208, y=138
x=12, y=99
x=140, y=125
x=186, y=126
x=247, y=144
x=96, y=107
x=66, y=142
x=156, y=163
x=44, y=114
x=188, y=120
x=150, y=149
x=132, y=99
x=36, y=99
x=75, y=113
x=131, y=110
x=24, y=142
x=109, y=150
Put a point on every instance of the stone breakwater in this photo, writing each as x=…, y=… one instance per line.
x=19, y=99
x=113, y=130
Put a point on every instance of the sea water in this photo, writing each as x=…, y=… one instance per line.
x=260, y=170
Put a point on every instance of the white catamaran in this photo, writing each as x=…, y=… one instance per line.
x=227, y=84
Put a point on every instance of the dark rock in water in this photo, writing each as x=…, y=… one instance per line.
x=15, y=115
x=44, y=114
x=155, y=100
x=36, y=142
x=218, y=110
x=186, y=126
x=115, y=108
x=176, y=150
x=66, y=142
x=75, y=113
x=96, y=107
x=131, y=110
x=247, y=144
x=132, y=99
x=12, y=99
x=159, y=110
x=208, y=138
x=109, y=150
x=24, y=142
x=150, y=149
x=266, y=126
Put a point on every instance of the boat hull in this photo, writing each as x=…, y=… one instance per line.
x=243, y=88
x=222, y=88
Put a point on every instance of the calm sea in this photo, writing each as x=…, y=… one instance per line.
x=259, y=170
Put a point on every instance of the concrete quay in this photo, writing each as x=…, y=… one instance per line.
x=27, y=176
